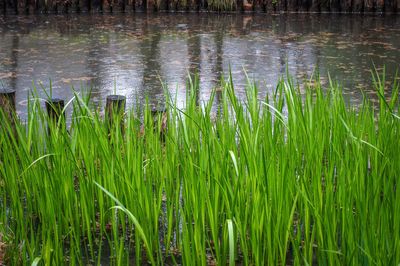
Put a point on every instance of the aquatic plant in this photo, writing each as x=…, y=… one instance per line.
x=223, y=5
x=295, y=178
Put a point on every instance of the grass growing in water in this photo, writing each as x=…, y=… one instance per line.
x=293, y=179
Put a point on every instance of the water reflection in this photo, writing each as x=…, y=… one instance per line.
x=14, y=61
x=151, y=55
x=132, y=54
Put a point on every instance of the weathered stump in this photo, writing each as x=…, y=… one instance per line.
x=7, y=110
x=55, y=113
x=115, y=110
x=7, y=102
x=160, y=116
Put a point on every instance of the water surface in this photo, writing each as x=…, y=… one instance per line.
x=131, y=54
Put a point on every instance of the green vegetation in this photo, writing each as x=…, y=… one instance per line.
x=222, y=5
x=290, y=179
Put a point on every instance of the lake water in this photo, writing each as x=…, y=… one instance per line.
x=131, y=54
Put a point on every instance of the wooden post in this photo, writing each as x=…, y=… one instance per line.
x=54, y=109
x=7, y=108
x=7, y=102
x=115, y=108
x=160, y=113
x=155, y=111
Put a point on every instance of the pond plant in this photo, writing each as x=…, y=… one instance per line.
x=296, y=178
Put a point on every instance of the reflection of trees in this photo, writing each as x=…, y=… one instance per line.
x=218, y=67
x=194, y=51
x=280, y=33
x=150, y=50
x=14, y=61
x=219, y=44
x=94, y=66
x=94, y=62
x=306, y=41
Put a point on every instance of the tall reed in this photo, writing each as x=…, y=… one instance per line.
x=295, y=178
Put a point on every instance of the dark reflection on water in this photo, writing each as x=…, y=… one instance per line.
x=132, y=54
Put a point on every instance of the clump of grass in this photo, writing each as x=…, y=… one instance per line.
x=224, y=5
x=290, y=179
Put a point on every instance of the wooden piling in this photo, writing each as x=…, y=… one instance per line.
x=7, y=108
x=156, y=110
x=54, y=109
x=115, y=109
x=160, y=113
x=7, y=102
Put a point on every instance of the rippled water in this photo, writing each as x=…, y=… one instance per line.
x=132, y=54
